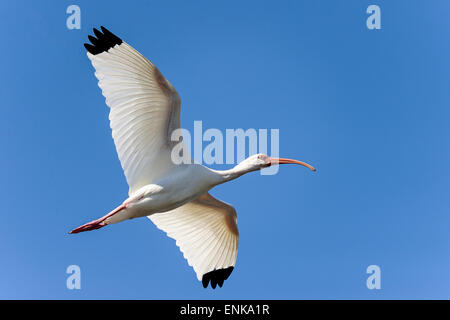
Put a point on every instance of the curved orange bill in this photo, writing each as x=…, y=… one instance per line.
x=275, y=161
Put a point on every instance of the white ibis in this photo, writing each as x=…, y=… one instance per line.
x=145, y=109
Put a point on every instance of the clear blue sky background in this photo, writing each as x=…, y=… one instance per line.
x=370, y=109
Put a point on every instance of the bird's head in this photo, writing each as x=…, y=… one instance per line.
x=260, y=161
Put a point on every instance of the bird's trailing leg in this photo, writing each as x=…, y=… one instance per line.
x=99, y=223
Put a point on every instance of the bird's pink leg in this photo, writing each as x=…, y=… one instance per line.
x=99, y=223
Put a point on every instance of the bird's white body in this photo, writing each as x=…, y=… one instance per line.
x=183, y=184
x=144, y=111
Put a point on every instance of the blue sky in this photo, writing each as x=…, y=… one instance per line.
x=370, y=109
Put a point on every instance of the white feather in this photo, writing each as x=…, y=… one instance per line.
x=206, y=232
x=145, y=109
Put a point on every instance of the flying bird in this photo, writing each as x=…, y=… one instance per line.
x=144, y=111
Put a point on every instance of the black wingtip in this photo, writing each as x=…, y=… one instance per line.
x=103, y=42
x=216, y=277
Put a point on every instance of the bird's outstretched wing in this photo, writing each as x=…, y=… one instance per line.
x=145, y=107
x=206, y=232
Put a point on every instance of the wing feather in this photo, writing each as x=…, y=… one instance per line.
x=144, y=107
x=206, y=232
